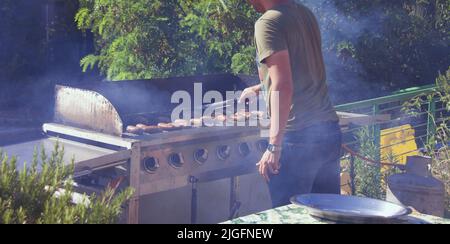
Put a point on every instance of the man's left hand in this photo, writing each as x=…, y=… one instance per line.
x=269, y=164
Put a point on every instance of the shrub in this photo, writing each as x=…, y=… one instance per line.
x=42, y=193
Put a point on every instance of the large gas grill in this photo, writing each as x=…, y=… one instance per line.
x=95, y=117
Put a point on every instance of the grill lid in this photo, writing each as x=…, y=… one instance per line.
x=108, y=107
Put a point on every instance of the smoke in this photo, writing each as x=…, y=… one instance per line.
x=39, y=47
x=340, y=32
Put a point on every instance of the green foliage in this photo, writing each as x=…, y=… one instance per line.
x=28, y=43
x=368, y=177
x=244, y=61
x=20, y=46
x=39, y=46
x=147, y=38
x=391, y=43
x=42, y=193
x=226, y=30
x=441, y=136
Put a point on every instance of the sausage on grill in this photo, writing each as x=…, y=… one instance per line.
x=196, y=122
x=134, y=130
x=182, y=123
x=238, y=118
x=141, y=126
x=257, y=114
x=244, y=114
x=152, y=129
x=220, y=118
x=148, y=128
x=167, y=126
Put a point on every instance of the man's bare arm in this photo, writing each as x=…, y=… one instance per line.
x=281, y=77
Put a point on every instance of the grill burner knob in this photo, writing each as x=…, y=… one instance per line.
x=176, y=160
x=244, y=149
x=262, y=145
x=151, y=165
x=223, y=152
x=201, y=156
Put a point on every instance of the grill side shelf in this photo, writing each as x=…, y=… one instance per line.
x=87, y=135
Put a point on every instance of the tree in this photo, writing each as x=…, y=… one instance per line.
x=19, y=44
x=39, y=46
x=148, y=38
x=42, y=193
x=382, y=45
x=225, y=31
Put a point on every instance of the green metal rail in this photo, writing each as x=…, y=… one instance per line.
x=392, y=105
x=374, y=106
x=404, y=96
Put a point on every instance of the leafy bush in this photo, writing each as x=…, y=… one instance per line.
x=368, y=177
x=42, y=193
x=438, y=145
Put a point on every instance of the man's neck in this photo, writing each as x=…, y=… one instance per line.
x=272, y=4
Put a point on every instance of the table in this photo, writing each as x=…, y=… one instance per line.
x=293, y=214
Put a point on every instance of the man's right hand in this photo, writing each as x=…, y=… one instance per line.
x=250, y=93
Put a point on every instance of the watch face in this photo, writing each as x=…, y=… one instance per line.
x=273, y=148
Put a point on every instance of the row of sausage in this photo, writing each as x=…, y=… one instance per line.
x=198, y=122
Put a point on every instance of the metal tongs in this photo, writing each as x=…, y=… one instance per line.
x=223, y=104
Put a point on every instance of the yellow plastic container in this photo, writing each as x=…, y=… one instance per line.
x=397, y=144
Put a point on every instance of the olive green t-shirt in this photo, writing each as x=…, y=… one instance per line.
x=292, y=26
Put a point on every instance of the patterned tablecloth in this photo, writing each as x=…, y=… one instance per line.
x=293, y=214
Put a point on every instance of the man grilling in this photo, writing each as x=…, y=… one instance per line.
x=303, y=154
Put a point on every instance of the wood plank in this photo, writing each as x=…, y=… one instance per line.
x=361, y=119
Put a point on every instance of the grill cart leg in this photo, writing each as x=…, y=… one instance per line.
x=135, y=168
x=194, y=199
x=235, y=205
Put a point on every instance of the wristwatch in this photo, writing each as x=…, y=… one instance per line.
x=274, y=148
